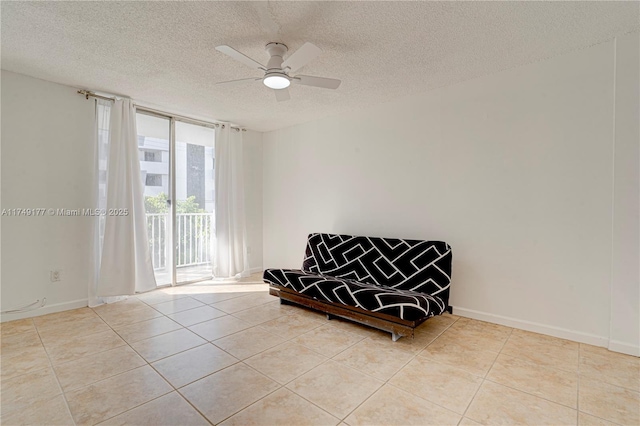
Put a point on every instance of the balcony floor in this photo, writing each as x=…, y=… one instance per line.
x=184, y=274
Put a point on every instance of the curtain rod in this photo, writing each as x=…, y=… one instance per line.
x=87, y=94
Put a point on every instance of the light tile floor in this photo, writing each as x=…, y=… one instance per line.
x=228, y=353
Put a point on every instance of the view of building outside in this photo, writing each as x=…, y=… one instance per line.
x=194, y=170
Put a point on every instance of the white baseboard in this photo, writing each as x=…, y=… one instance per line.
x=625, y=348
x=255, y=270
x=47, y=309
x=535, y=327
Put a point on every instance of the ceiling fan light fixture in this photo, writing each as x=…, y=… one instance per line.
x=276, y=82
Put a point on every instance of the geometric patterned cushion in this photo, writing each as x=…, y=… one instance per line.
x=418, y=266
x=404, y=304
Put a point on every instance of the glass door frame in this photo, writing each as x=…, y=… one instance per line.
x=173, y=249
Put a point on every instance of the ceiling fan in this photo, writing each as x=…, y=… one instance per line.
x=276, y=72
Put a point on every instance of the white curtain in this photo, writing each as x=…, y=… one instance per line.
x=123, y=261
x=230, y=252
x=101, y=154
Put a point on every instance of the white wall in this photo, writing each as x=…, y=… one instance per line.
x=514, y=170
x=252, y=156
x=47, y=161
x=625, y=288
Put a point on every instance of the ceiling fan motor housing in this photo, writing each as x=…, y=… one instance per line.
x=276, y=52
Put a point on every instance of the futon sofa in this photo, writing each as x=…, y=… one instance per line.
x=390, y=284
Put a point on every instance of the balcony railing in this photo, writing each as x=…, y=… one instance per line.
x=194, y=238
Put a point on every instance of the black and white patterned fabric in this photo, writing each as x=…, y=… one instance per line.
x=404, y=304
x=409, y=279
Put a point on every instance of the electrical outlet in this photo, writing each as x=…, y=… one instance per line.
x=55, y=275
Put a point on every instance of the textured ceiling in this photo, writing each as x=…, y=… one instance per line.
x=162, y=53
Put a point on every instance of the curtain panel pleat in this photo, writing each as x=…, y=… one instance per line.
x=100, y=156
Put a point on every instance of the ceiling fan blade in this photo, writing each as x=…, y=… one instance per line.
x=240, y=57
x=325, y=83
x=282, y=94
x=240, y=81
x=302, y=56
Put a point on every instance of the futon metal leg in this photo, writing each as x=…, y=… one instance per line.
x=330, y=317
x=284, y=302
x=395, y=336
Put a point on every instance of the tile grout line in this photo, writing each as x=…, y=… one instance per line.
x=211, y=341
x=284, y=386
x=150, y=364
x=484, y=378
x=531, y=394
x=280, y=386
x=174, y=389
x=242, y=361
x=542, y=367
x=578, y=385
x=336, y=354
x=311, y=402
x=385, y=382
x=414, y=355
x=151, y=400
x=144, y=359
x=48, y=356
x=206, y=342
x=190, y=383
x=481, y=377
x=125, y=371
x=289, y=340
x=578, y=394
x=55, y=375
x=324, y=362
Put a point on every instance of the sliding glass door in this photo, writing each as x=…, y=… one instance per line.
x=154, y=134
x=195, y=194
x=176, y=166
